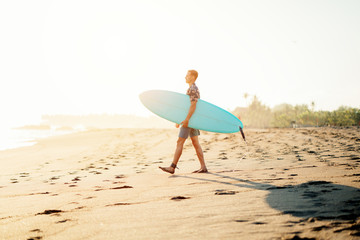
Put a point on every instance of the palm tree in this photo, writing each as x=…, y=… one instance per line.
x=246, y=95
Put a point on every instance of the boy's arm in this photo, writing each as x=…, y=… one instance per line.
x=192, y=108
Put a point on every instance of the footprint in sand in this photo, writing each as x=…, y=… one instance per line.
x=14, y=180
x=122, y=187
x=98, y=188
x=36, y=230
x=241, y=220
x=118, y=204
x=35, y=238
x=76, y=179
x=120, y=176
x=91, y=197
x=178, y=198
x=224, y=192
x=259, y=223
x=64, y=221
x=23, y=175
x=81, y=207
x=54, y=178
x=354, y=228
x=40, y=193
x=49, y=212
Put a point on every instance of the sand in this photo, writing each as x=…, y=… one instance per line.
x=105, y=184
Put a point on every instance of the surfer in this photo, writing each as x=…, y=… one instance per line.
x=185, y=131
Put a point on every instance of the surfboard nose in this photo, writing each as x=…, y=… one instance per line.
x=141, y=95
x=144, y=96
x=150, y=98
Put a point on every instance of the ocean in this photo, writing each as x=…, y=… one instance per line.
x=14, y=138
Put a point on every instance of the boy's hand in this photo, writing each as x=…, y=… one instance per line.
x=185, y=123
x=177, y=125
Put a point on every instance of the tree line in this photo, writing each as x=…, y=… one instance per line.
x=258, y=115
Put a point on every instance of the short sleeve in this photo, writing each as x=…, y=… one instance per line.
x=194, y=94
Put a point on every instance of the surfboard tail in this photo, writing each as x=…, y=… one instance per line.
x=242, y=133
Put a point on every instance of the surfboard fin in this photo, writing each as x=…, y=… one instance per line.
x=242, y=133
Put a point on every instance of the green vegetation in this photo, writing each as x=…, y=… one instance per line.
x=259, y=115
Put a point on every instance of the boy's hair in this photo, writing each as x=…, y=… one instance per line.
x=194, y=73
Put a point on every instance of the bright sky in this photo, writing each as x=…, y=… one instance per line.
x=81, y=57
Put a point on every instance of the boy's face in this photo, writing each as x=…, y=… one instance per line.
x=189, y=77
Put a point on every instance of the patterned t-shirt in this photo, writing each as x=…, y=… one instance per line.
x=193, y=92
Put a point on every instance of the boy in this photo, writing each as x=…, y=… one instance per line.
x=185, y=131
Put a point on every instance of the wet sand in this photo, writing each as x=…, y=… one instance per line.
x=105, y=184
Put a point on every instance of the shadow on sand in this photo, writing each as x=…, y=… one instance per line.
x=315, y=199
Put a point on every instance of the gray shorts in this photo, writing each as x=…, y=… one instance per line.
x=184, y=132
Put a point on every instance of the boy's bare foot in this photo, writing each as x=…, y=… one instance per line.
x=170, y=170
x=201, y=170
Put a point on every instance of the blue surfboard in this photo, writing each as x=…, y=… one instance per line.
x=175, y=106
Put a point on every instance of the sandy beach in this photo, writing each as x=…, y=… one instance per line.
x=105, y=184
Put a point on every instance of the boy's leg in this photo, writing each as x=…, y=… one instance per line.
x=177, y=155
x=200, y=154
x=178, y=151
